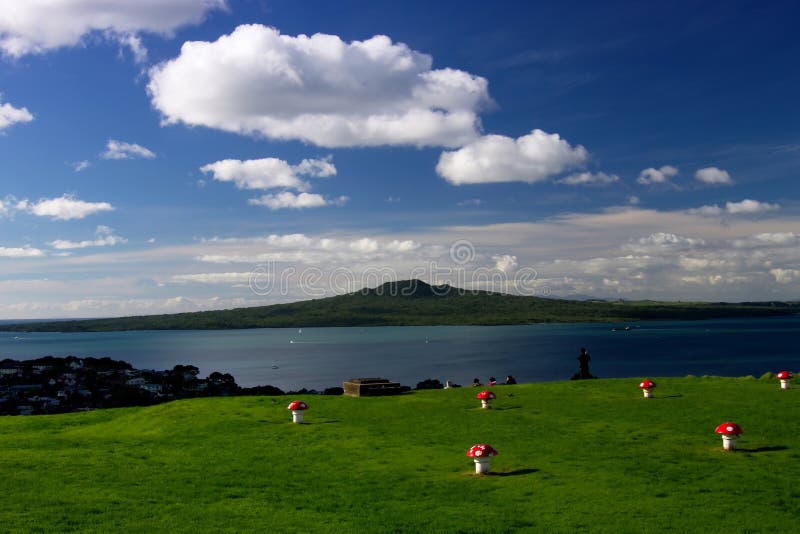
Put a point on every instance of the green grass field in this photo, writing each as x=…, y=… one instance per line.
x=573, y=455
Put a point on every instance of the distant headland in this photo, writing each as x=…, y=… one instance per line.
x=416, y=303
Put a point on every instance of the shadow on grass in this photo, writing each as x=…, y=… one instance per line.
x=322, y=422
x=774, y=448
x=304, y=423
x=508, y=408
x=518, y=472
x=678, y=396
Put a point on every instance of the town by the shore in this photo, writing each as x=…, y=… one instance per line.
x=51, y=385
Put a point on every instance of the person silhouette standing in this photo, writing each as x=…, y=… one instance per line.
x=583, y=361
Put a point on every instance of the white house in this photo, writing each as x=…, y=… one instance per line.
x=152, y=388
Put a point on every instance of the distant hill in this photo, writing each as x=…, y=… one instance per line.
x=413, y=302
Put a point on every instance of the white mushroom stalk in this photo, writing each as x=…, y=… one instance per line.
x=730, y=433
x=482, y=454
x=486, y=398
x=647, y=387
x=784, y=377
x=297, y=408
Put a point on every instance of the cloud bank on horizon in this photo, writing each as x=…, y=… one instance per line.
x=213, y=117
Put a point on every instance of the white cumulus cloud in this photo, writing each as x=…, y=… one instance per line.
x=104, y=237
x=744, y=207
x=497, y=158
x=213, y=278
x=36, y=26
x=348, y=252
x=287, y=199
x=20, y=252
x=657, y=176
x=785, y=276
x=9, y=115
x=268, y=173
x=319, y=89
x=9, y=205
x=406, y=245
x=506, y=263
x=749, y=206
x=65, y=207
x=662, y=242
x=588, y=178
x=768, y=239
x=319, y=168
x=121, y=150
x=365, y=244
x=713, y=176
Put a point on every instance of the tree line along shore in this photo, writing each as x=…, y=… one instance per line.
x=51, y=385
x=60, y=385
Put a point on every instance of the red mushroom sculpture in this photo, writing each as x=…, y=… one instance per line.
x=784, y=377
x=730, y=433
x=297, y=407
x=647, y=387
x=482, y=454
x=486, y=398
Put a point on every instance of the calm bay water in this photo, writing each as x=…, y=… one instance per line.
x=323, y=357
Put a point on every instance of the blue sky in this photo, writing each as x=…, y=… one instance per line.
x=178, y=155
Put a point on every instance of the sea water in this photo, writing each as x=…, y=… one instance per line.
x=292, y=358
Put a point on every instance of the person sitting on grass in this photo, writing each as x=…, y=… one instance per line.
x=510, y=380
x=476, y=383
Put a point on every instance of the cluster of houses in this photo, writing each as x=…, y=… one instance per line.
x=58, y=385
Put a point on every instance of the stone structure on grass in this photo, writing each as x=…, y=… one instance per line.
x=371, y=387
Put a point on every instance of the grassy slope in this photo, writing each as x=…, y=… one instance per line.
x=423, y=308
x=572, y=455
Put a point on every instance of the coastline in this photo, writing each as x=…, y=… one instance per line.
x=322, y=357
x=52, y=385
